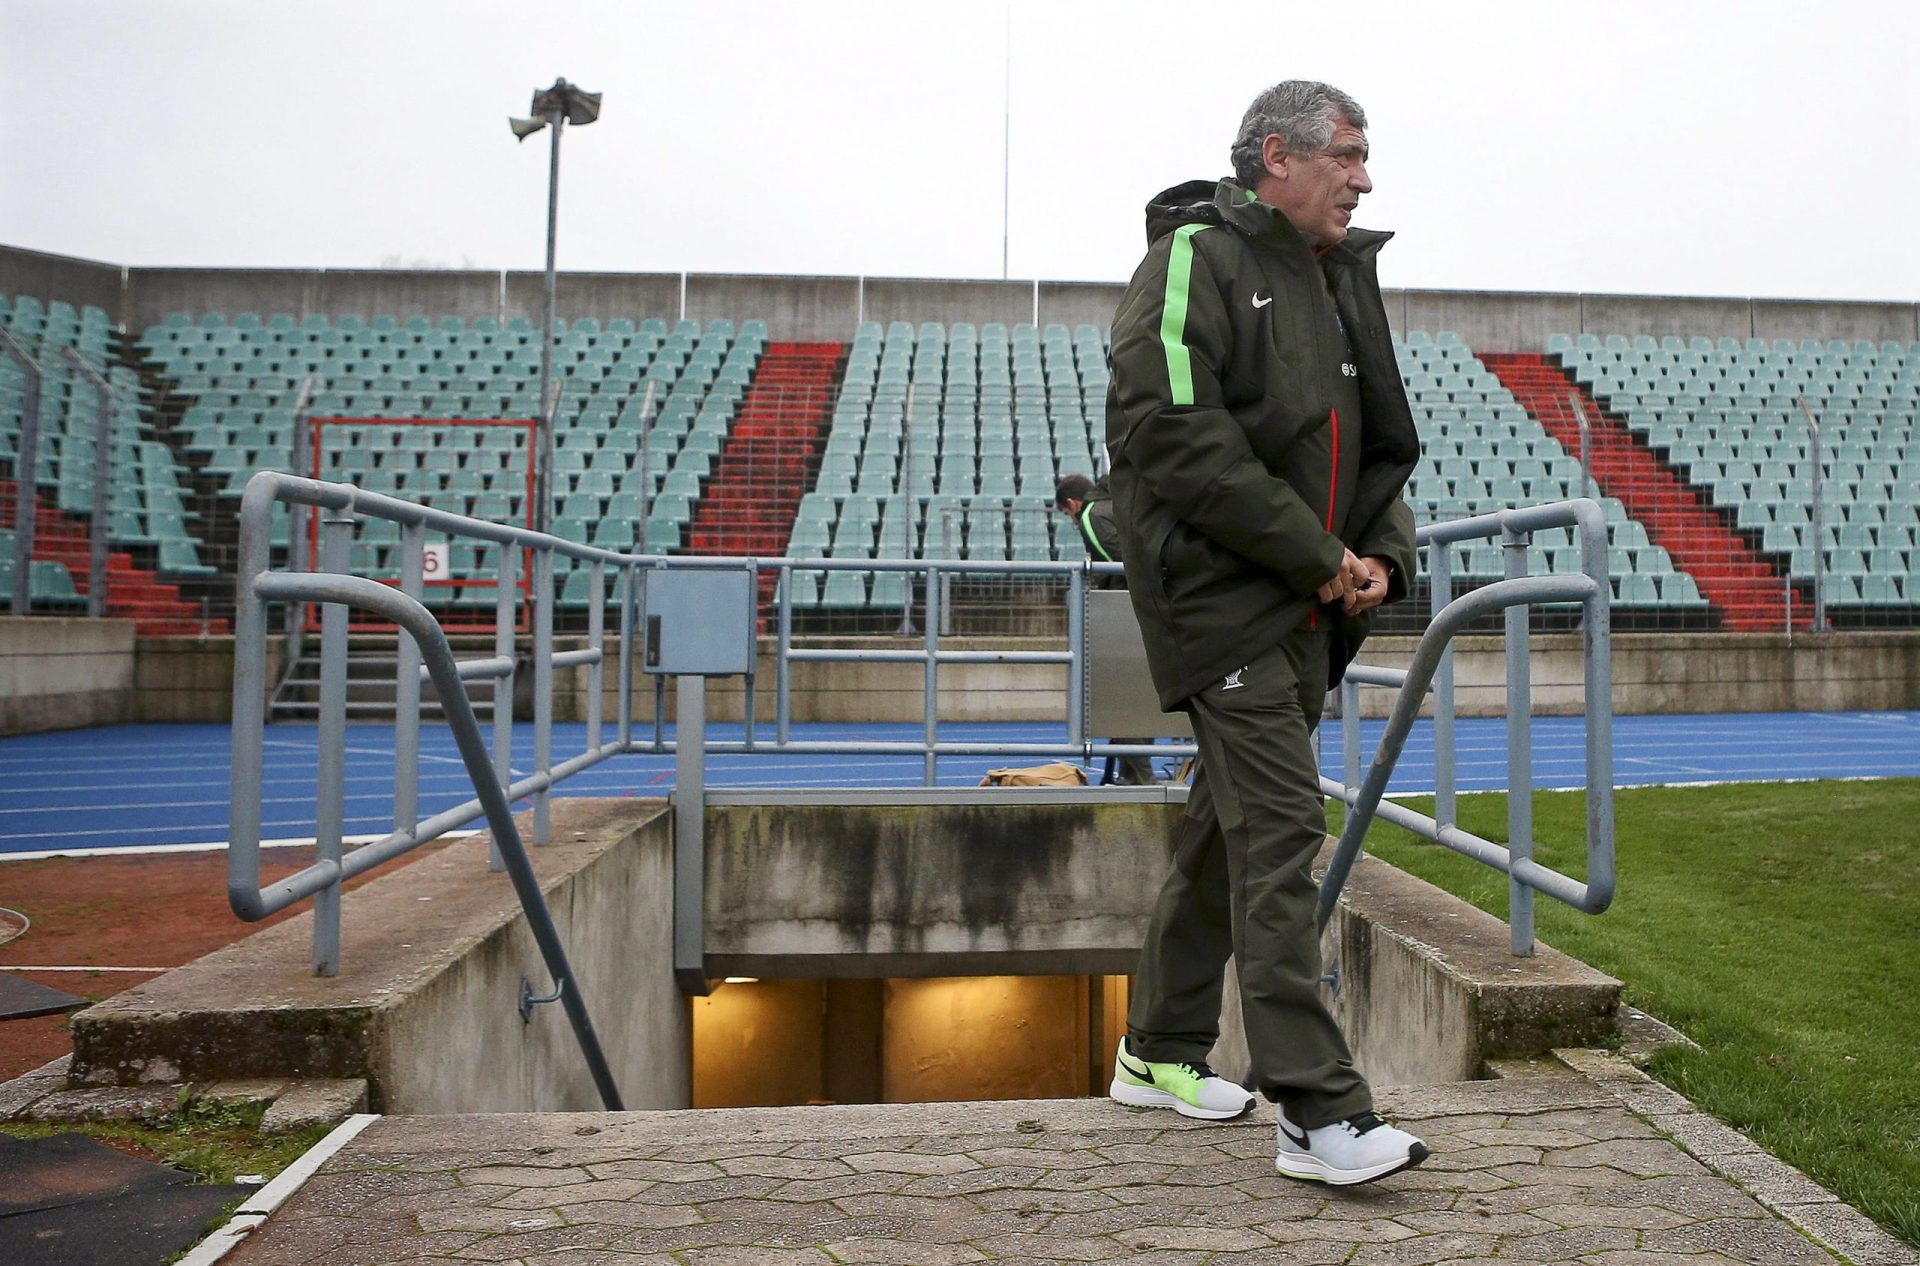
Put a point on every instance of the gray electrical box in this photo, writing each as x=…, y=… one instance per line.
x=698, y=623
x=1120, y=694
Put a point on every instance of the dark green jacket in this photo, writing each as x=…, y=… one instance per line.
x=1098, y=532
x=1231, y=507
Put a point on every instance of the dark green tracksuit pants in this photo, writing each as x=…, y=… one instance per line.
x=1242, y=884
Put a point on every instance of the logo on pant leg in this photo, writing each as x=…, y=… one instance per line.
x=1233, y=681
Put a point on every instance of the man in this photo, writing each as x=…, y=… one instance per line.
x=1260, y=438
x=1089, y=507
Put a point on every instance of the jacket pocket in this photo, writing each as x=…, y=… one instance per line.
x=1349, y=634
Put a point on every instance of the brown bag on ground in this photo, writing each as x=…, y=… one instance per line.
x=1058, y=774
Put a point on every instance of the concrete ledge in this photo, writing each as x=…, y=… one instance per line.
x=994, y=884
x=60, y=673
x=426, y=1005
x=1430, y=991
x=841, y=885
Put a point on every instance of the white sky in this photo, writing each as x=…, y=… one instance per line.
x=1765, y=149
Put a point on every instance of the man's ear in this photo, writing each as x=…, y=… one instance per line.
x=1273, y=152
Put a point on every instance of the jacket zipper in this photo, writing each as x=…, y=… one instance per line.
x=1333, y=489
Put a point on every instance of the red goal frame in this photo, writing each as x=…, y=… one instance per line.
x=450, y=620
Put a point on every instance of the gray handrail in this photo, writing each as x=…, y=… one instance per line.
x=1432, y=658
x=419, y=623
x=492, y=772
x=257, y=587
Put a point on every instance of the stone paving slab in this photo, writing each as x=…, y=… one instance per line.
x=1593, y=1167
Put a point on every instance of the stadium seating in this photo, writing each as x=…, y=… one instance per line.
x=643, y=409
x=147, y=506
x=1728, y=415
x=945, y=441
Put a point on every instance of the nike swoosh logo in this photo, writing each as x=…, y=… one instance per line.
x=1298, y=1140
x=1258, y=302
x=1142, y=1072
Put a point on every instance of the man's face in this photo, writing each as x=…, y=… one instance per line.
x=1317, y=192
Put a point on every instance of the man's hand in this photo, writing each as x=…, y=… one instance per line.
x=1353, y=574
x=1373, y=591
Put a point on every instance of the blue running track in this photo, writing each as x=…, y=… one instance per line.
x=141, y=786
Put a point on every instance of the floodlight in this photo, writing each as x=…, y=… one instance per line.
x=574, y=104
x=523, y=128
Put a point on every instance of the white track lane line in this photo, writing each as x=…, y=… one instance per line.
x=207, y=846
x=26, y=967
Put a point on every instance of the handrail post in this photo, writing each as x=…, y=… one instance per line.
x=1440, y=578
x=1513, y=546
x=1077, y=643
x=782, y=674
x=624, y=709
x=1596, y=630
x=596, y=641
x=406, y=687
x=542, y=689
x=931, y=701
x=26, y=476
x=1350, y=736
x=753, y=654
x=507, y=581
x=336, y=533
x=689, y=835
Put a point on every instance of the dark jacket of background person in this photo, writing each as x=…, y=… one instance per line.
x=1218, y=427
x=1099, y=533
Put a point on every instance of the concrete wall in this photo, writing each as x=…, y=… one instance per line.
x=64, y=674
x=603, y=296
x=614, y=914
x=984, y=884
x=802, y=309
x=976, y=883
x=79, y=282
x=426, y=1003
x=190, y=679
x=154, y=293
x=1683, y=673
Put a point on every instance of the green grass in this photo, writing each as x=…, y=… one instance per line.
x=214, y=1141
x=1778, y=925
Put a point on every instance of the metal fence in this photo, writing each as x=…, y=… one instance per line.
x=618, y=580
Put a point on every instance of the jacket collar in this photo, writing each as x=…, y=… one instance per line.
x=1238, y=207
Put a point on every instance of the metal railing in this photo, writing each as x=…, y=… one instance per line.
x=424, y=651
x=424, y=654
x=1432, y=668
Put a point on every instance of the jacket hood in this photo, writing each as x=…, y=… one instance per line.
x=1232, y=203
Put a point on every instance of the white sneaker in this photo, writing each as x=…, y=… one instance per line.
x=1192, y=1090
x=1356, y=1150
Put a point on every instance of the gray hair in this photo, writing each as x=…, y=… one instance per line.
x=1303, y=112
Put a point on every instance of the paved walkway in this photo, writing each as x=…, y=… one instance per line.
x=1601, y=1167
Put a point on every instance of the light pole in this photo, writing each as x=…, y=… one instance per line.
x=553, y=107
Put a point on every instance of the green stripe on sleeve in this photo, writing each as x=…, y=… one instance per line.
x=1086, y=526
x=1173, y=317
